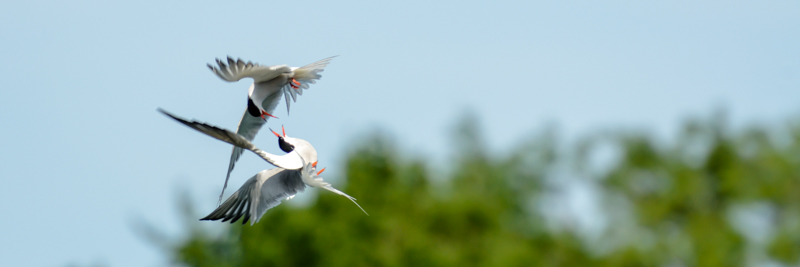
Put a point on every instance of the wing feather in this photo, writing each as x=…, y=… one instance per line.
x=246, y=214
x=248, y=128
x=258, y=194
x=291, y=161
x=236, y=70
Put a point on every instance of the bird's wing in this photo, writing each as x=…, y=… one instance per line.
x=260, y=193
x=237, y=69
x=291, y=161
x=248, y=128
x=311, y=178
x=305, y=75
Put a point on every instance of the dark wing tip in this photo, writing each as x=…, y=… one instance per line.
x=187, y=123
x=210, y=217
x=165, y=112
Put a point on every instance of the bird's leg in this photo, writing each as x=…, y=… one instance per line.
x=294, y=84
x=264, y=114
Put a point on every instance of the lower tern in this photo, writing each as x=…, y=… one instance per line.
x=265, y=190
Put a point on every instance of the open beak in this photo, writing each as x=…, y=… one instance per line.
x=264, y=114
x=276, y=134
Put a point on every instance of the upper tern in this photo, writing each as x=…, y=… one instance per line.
x=265, y=190
x=269, y=82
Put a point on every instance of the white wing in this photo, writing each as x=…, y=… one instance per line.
x=305, y=75
x=260, y=193
x=291, y=161
x=238, y=69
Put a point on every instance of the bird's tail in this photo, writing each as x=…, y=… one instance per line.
x=304, y=76
x=330, y=188
x=311, y=178
x=309, y=73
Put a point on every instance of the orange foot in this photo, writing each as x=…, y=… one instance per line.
x=294, y=84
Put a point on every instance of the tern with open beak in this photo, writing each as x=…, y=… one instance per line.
x=269, y=82
x=295, y=170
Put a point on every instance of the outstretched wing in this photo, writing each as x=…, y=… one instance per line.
x=291, y=161
x=237, y=69
x=260, y=193
x=304, y=75
x=248, y=127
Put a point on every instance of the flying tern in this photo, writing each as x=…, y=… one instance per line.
x=269, y=82
x=295, y=170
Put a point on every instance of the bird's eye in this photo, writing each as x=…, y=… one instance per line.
x=286, y=147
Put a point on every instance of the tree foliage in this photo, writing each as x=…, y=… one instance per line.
x=709, y=197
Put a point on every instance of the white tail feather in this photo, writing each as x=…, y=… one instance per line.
x=311, y=178
x=311, y=71
x=330, y=188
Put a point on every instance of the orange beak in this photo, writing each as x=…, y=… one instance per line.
x=276, y=134
x=283, y=130
x=264, y=113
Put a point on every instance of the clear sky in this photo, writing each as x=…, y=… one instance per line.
x=84, y=153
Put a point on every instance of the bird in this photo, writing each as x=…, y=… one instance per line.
x=269, y=82
x=295, y=170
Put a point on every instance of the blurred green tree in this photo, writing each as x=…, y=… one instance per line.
x=711, y=197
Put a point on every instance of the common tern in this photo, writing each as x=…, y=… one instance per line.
x=265, y=190
x=269, y=82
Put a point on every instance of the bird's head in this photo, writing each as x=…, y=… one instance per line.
x=302, y=147
x=254, y=107
x=286, y=143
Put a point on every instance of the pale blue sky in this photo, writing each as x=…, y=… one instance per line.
x=84, y=152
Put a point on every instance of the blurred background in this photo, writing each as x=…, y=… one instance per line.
x=482, y=134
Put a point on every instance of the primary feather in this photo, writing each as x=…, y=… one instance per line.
x=238, y=69
x=291, y=161
x=258, y=194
